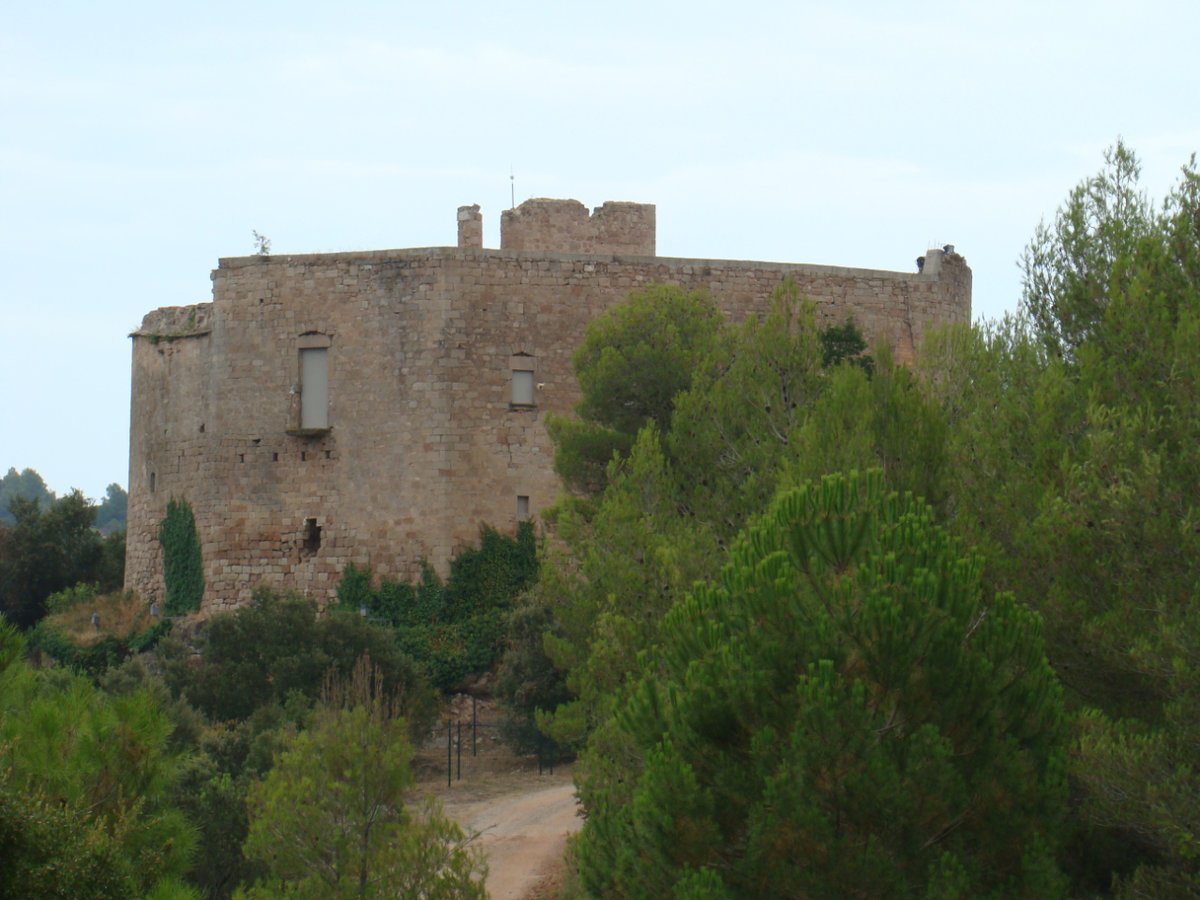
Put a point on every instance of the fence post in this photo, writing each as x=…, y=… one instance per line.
x=474, y=728
x=449, y=750
x=460, y=749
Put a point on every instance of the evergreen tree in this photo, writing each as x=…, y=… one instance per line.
x=45, y=552
x=1074, y=463
x=25, y=485
x=85, y=782
x=844, y=713
x=633, y=362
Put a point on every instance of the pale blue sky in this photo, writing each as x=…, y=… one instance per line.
x=140, y=142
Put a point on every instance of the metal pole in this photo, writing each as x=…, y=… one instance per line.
x=449, y=750
x=474, y=728
x=460, y=750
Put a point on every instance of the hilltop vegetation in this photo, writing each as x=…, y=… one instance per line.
x=28, y=485
x=52, y=544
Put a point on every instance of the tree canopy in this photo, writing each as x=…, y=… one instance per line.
x=1061, y=443
x=843, y=713
x=331, y=820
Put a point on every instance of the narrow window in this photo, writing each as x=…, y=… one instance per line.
x=522, y=507
x=312, y=536
x=314, y=387
x=153, y=479
x=522, y=388
x=523, y=367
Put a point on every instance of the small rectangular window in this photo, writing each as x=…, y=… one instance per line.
x=314, y=387
x=522, y=508
x=522, y=388
x=523, y=366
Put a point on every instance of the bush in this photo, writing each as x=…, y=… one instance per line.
x=455, y=629
x=263, y=653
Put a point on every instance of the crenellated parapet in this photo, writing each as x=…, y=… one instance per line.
x=565, y=226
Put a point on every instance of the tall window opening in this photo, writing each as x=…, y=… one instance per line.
x=314, y=387
x=312, y=537
x=314, y=381
x=523, y=367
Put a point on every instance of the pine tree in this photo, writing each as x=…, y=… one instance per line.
x=844, y=713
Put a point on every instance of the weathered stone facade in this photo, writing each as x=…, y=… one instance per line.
x=423, y=441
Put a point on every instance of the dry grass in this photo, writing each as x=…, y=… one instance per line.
x=122, y=614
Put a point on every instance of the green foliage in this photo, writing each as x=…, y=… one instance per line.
x=277, y=647
x=67, y=635
x=89, y=659
x=329, y=819
x=113, y=510
x=45, y=552
x=1069, y=268
x=527, y=680
x=731, y=431
x=183, y=568
x=885, y=421
x=26, y=485
x=633, y=362
x=843, y=714
x=225, y=760
x=632, y=557
x=260, y=671
x=845, y=344
x=455, y=629
x=76, y=595
x=767, y=405
x=85, y=780
x=639, y=355
x=50, y=850
x=1073, y=438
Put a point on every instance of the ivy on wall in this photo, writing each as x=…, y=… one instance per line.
x=183, y=570
x=457, y=628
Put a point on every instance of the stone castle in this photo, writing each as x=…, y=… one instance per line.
x=377, y=408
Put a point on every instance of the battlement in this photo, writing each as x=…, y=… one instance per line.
x=565, y=226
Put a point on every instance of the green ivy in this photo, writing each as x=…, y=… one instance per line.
x=452, y=629
x=183, y=569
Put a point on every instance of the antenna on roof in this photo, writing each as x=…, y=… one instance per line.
x=512, y=185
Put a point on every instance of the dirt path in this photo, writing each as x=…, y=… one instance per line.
x=524, y=835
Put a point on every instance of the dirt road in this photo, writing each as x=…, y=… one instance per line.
x=523, y=834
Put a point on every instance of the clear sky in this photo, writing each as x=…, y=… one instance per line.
x=140, y=142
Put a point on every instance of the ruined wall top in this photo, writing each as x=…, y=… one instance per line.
x=565, y=226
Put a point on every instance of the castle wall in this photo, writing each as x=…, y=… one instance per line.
x=424, y=443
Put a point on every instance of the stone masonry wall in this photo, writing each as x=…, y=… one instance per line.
x=564, y=226
x=423, y=444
